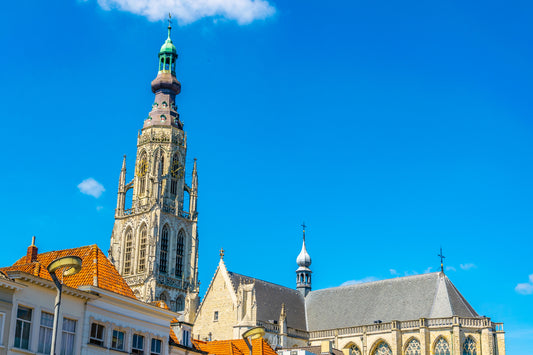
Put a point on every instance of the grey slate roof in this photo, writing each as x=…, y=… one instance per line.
x=404, y=298
x=269, y=298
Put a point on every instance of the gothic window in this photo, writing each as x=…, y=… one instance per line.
x=127, y=251
x=179, y=253
x=354, y=350
x=469, y=347
x=176, y=172
x=163, y=256
x=180, y=304
x=142, y=169
x=413, y=348
x=382, y=349
x=442, y=347
x=143, y=241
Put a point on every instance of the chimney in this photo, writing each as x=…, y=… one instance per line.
x=31, y=254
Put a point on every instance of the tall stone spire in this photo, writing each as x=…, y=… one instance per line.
x=303, y=273
x=154, y=244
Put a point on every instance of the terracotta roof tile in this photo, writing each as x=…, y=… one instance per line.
x=234, y=347
x=96, y=269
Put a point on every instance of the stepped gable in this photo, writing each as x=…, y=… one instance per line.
x=96, y=269
x=403, y=298
x=269, y=298
x=234, y=347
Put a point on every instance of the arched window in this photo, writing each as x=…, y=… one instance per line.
x=128, y=246
x=143, y=241
x=163, y=255
x=142, y=169
x=469, y=347
x=382, y=349
x=442, y=347
x=354, y=350
x=413, y=348
x=176, y=173
x=180, y=304
x=180, y=246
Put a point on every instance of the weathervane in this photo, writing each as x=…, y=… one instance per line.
x=221, y=253
x=442, y=257
x=169, y=20
x=303, y=227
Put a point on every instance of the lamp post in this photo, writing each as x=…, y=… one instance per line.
x=71, y=265
x=254, y=333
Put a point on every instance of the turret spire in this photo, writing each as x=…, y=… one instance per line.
x=303, y=273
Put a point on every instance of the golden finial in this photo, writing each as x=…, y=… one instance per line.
x=221, y=253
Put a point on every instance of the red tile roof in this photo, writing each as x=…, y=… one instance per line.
x=234, y=347
x=96, y=269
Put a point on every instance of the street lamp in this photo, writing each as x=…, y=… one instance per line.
x=71, y=265
x=254, y=333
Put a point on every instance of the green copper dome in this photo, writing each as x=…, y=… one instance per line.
x=168, y=47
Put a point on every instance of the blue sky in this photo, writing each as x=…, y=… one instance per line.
x=391, y=128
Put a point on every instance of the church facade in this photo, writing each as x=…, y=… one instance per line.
x=414, y=315
x=154, y=244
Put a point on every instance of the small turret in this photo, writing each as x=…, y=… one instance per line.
x=121, y=196
x=303, y=273
x=193, y=200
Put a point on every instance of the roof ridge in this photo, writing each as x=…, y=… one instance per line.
x=463, y=300
x=267, y=282
x=392, y=279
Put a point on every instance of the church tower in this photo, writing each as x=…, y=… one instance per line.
x=154, y=244
x=303, y=273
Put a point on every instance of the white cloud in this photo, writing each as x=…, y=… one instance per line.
x=393, y=272
x=187, y=11
x=91, y=187
x=363, y=280
x=428, y=270
x=525, y=288
x=99, y=208
x=468, y=266
x=450, y=268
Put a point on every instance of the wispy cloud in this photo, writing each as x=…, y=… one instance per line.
x=91, y=187
x=393, y=272
x=468, y=266
x=363, y=280
x=428, y=270
x=187, y=11
x=450, y=268
x=99, y=208
x=525, y=288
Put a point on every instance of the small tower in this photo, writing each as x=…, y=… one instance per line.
x=303, y=273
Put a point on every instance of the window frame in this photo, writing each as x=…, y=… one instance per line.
x=134, y=348
x=118, y=330
x=45, y=332
x=28, y=325
x=2, y=323
x=94, y=340
x=68, y=332
x=152, y=352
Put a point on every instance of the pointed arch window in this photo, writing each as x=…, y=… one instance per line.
x=176, y=173
x=180, y=304
x=180, y=246
x=469, y=346
x=163, y=255
x=442, y=347
x=413, y=348
x=143, y=244
x=382, y=349
x=142, y=169
x=128, y=246
x=354, y=350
